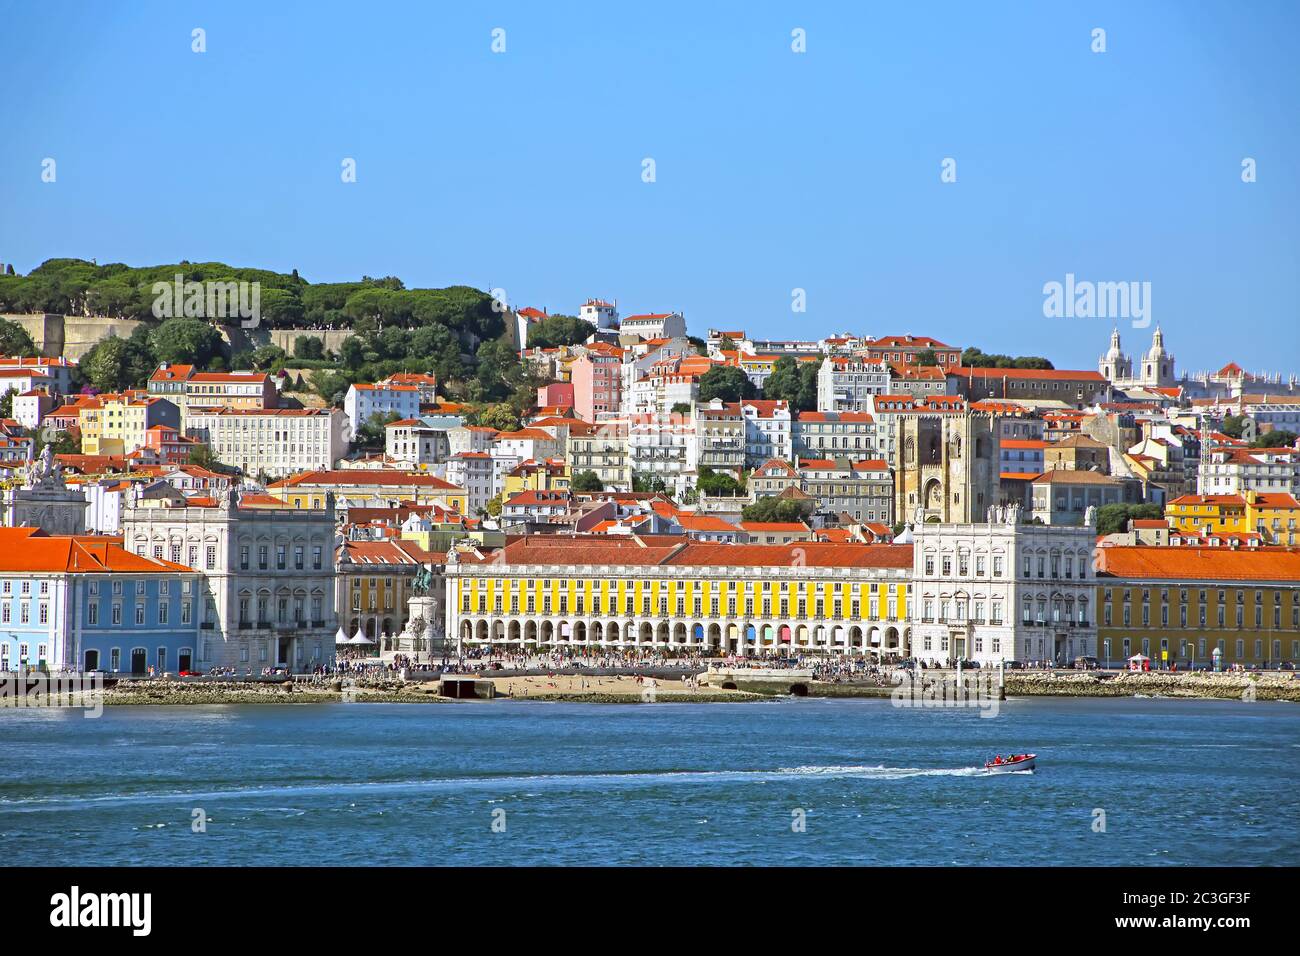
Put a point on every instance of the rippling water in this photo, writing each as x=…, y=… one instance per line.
x=1180, y=782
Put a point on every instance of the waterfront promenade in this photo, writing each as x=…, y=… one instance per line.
x=653, y=682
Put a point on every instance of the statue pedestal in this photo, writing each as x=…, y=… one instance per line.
x=430, y=637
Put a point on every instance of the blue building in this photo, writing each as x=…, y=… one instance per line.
x=79, y=603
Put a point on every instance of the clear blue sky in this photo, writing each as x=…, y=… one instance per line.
x=774, y=170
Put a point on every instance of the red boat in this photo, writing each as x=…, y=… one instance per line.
x=1000, y=764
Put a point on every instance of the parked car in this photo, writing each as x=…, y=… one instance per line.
x=1014, y=665
x=1087, y=664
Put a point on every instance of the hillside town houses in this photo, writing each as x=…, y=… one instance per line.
x=888, y=496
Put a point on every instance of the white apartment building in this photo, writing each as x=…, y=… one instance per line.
x=1003, y=590
x=420, y=441
x=845, y=383
x=663, y=446
x=478, y=474
x=57, y=371
x=657, y=325
x=1235, y=471
x=273, y=441
x=364, y=401
x=768, y=430
x=840, y=434
x=30, y=407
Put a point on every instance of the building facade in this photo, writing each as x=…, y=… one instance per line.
x=1003, y=590
x=676, y=597
x=274, y=441
x=1191, y=606
x=267, y=596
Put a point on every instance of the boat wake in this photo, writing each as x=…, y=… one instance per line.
x=354, y=789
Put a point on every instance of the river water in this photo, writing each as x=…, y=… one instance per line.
x=811, y=782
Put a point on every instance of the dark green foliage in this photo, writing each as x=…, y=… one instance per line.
x=557, y=330
x=1277, y=438
x=308, y=347
x=185, y=341
x=725, y=382
x=586, y=481
x=772, y=508
x=1114, y=518
x=715, y=483
x=974, y=358
x=14, y=339
x=793, y=382
x=1233, y=425
x=371, y=434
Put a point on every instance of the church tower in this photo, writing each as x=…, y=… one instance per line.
x=1115, y=366
x=1157, y=364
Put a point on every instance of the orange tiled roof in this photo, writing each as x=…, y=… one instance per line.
x=1204, y=564
x=30, y=549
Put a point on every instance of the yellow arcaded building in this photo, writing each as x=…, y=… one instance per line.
x=663, y=594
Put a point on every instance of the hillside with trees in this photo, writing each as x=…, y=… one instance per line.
x=456, y=333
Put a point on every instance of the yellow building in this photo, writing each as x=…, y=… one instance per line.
x=1182, y=604
x=662, y=594
x=1274, y=516
x=118, y=423
x=549, y=475
x=368, y=488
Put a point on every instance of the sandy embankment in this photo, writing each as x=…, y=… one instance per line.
x=612, y=689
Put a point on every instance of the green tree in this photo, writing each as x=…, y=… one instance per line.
x=772, y=508
x=715, y=483
x=648, y=483
x=7, y=403
x=500, y=416
x=14, y=339
x=115, y=363
x=331, y=386
x=681, y=408
x=725, y=382
x=268, y=358
x=203, y=456
x=783, y=383
x=927, y=357
x=1112, y=519
x=556, y=330
x=1233, y=425
x=586, y=481
x=61, y=443
x=1277, y=438
x=185, y=341
x=308, y=347
x=373, y=432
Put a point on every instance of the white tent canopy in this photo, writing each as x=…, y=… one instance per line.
x=341, y=636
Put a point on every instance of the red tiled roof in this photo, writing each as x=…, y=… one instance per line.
x=1192, y=563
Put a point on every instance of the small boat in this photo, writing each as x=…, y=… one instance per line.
x=1011, y=764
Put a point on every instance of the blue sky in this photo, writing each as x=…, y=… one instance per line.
x=774, y=170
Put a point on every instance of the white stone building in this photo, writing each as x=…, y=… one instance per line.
x=768, y=430
x=1003, y=590
x=268, y=577
x=272, y=441
x=846, y=383
x=364, y=401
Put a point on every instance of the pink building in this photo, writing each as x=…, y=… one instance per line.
x=557, y=394
x=597, y=380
